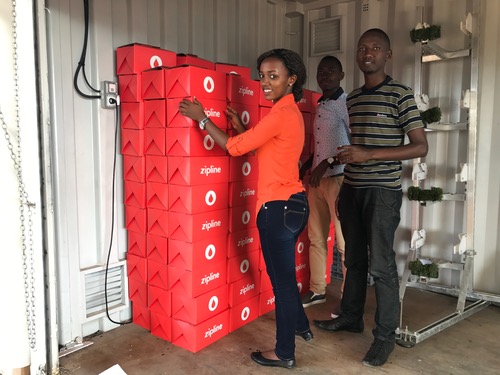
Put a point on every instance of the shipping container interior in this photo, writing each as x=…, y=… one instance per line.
x=80, y=169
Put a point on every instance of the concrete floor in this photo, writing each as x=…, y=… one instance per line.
x=471, y=346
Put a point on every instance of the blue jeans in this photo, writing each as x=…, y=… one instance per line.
x=369, y=219
x=280, y=224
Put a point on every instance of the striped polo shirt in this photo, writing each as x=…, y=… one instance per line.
x=380, y=117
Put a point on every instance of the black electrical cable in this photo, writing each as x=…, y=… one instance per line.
x=81, y=63
x=113, y=101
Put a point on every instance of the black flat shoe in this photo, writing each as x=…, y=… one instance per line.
x=263, y=361
x=341, y=324
x=307, y=335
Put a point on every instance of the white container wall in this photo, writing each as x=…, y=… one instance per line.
x=237, y=31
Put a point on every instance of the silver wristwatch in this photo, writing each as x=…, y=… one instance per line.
x=203, y=123
x=330, y=161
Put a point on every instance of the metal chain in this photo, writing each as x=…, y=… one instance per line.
x=26, y=241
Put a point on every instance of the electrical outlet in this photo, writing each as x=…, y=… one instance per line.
x=109, y=94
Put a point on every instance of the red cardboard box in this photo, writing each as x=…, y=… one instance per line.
x=194, y=338
x=305, y=104
x=198, y=281
x=135, y=219
x=264, y=111
x=243, y=242
x=199, y=309
x=266, y=302
x=155, y=113
x=154, y=141
x=242, y=90
x=184, y=81
x=157, y=249
x=141, y=316
x=192, y=171
x=215, y=109
x=241, y=218
x=308, y=122
x=134, y=168
x=303, y=284
x=156, y=168
x=138, y=291
x=243, y=193
x=308, y=147
x=265, y=282
x=157, y=222
x=157, y=275
x=153, y=83
x=135, y=194
x=243, y=314
x=161, y=326
x=137, y=268
x=243, y=168
x=160, y=300
x=157, y=195
x=129, y=88
x=136, y=244
x=315, y=96
x=132, y=115
x=194, y=60
x=330, y=240
x=197, y=199
x=243, y=71
x=249, y=114
x=244, y=265
x=301, y=267
x=133, y=142
x=195, y=227
x=134, y=58
x=191, y=142
x=242, y=290
x=196, y=255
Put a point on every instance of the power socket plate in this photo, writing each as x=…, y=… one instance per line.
x=109, y=94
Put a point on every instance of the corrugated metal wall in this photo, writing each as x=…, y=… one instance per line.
x=232, y=31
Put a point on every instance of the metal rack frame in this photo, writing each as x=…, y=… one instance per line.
x=428, y=52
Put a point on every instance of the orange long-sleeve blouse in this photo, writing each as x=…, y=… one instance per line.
x=278, y=140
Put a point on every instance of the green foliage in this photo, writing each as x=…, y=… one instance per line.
x=426, y=33
x=427, y=270
x=431, y=115
x=417, y=194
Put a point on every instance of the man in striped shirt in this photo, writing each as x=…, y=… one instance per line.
x=381, y=113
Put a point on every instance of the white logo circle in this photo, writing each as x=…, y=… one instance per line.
x=299, y=285
x=213, y=303
x=245, y=117
x=210, y=252
x=246, y=168
x=245, y=313
x=244, y=266
x=208, y=84
x=245, y=218
x=155, y=61
x=210, y=198
x=300, y=247
x=208, y=142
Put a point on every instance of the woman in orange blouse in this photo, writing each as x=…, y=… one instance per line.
x=282, y=206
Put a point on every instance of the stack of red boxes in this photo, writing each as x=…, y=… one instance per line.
x=194, y=261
